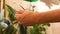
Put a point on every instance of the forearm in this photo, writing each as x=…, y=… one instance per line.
x=31, y=18
x=50, y=16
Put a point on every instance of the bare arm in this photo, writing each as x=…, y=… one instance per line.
x=31, y=18
x=50, y=16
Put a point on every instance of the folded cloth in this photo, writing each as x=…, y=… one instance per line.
x=3, y=25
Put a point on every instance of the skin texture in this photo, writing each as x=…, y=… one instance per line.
x=28, y=18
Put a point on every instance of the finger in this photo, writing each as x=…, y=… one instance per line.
x=18, y=16
x=20, y=12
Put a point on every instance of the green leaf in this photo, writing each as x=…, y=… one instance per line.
x=23, y=30
x=31, y=0
x=47, y=24
x=38, y=28
x=42, y=29
x=10, y=30
x=11, y=13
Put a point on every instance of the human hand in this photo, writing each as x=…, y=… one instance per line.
x=26, y=18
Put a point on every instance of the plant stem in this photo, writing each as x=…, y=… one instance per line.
x=23, y=30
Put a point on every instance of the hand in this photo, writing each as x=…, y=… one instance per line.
x=26, y=18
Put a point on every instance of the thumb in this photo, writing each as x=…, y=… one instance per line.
x=20, y=12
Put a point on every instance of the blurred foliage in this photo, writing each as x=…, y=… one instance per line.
x=10, y=30
x=39, y=29
x=31, y=0
x=23, y=30
x=11, y=13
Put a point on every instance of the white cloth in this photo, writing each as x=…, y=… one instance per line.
x=3, y=25
x=1, y=14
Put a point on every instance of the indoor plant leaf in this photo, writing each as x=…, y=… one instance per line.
x=11, y=13
x=10, y=30
x=47, y=24
x=31, y=0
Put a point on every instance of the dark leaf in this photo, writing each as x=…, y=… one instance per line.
x=23, y=30
x=11, y=13
x=9, y=30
